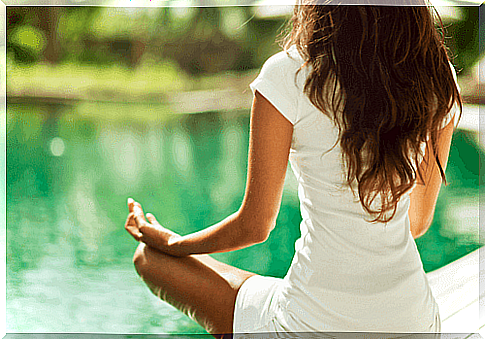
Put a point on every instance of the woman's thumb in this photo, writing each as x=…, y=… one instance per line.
x=151, y=218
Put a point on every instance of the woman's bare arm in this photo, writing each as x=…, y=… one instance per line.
x=424, y=195
x=269, y=146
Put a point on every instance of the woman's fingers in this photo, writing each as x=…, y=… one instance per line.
x=142, y=230
x=138, y=215
x=131, y=203
x=136, y=219
x=140, y=221
x=136, y=209
x=132, y=227
x=147, y=230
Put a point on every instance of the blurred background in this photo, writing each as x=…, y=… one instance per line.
x=106, y=103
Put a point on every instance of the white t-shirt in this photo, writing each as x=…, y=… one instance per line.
x=347, y=273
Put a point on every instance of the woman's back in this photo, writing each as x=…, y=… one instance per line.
x=347, y=272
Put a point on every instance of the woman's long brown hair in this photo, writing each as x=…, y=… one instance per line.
x=383, y=74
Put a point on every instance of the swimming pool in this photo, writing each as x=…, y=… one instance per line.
x=70, y=169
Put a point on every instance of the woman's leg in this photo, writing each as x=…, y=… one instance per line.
x=200, y=286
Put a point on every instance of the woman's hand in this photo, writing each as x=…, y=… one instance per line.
x=150, y=232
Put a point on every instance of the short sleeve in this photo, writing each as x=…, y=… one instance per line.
x=277, y=83
x=452, y=113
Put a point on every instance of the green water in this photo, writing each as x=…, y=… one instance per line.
x=70, y=170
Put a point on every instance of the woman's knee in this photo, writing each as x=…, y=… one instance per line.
x=144, y=267
x=140, y=258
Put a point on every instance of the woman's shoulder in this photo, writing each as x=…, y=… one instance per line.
x=283, y=69
x=286, y=58
x=280, y=82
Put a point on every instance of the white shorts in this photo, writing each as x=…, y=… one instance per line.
x=259, y=309
x=256, y=305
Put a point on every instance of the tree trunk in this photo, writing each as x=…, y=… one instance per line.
x=48, y=18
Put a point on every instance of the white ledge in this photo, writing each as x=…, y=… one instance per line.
x=456, y=288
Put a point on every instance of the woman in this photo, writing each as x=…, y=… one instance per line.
x=363, y=103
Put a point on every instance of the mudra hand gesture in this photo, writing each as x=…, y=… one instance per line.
x=150, y=232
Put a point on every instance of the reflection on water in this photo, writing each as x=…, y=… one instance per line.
x=69, y=175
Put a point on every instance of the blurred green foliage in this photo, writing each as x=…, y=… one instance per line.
x=28, y=41
x=201, y=40
x=463, y=37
